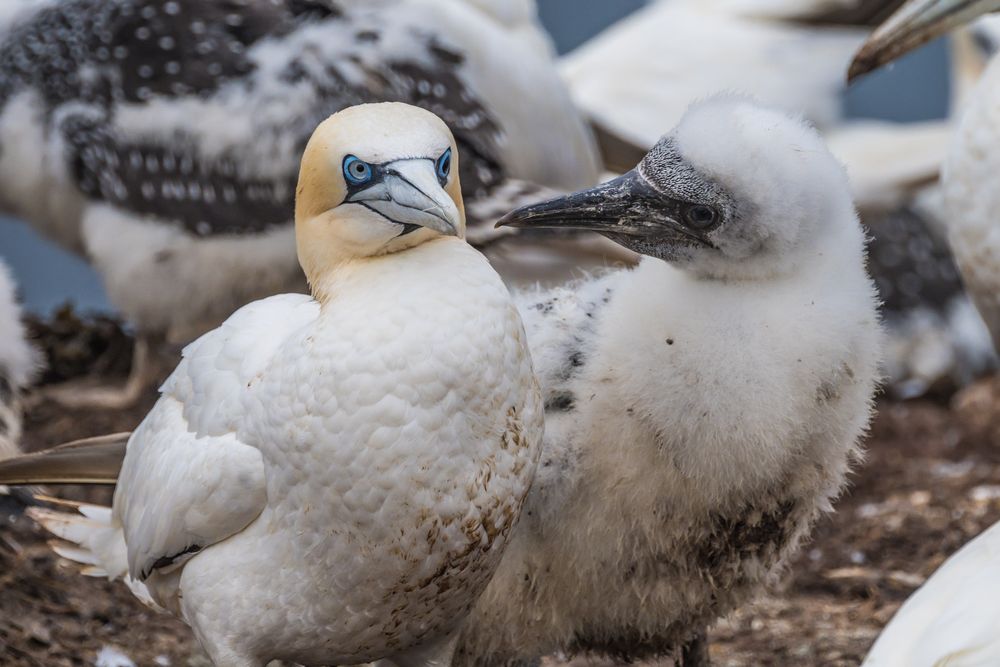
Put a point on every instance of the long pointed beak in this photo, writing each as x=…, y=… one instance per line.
x=625, y=206
x=410, y=194
x=914, y=24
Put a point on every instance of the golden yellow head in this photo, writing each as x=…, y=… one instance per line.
x=375, y=179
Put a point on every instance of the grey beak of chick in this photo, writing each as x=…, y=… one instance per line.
x=625, y=206
x=914, y=24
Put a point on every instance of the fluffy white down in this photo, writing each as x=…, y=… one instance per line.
x=18, y=362
x=972, y=199
x=350, y=471
x=695, y=427
x=953, y=619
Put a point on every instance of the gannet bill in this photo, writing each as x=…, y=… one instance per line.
x=161, y=138
x=332, y=479
x=703, y=409
x=18, y=362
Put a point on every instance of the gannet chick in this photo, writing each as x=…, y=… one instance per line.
x=332, y=479
x=703, y=409
x=639, y=76
x=18, y=361
x=161, y=138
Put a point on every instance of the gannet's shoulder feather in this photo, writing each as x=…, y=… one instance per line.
x=561, y=323
x=217, y=368
x=954, y=618
x=199, y=480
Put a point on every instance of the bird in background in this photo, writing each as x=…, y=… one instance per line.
x=954, y=617
x=702, y=409
x=161, y=138
x=640, y=74
x=18, y=364
x=331, y=479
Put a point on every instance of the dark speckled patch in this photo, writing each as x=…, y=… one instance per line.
x=750, y=533
x=560, y=402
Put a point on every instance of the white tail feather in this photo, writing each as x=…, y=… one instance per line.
x=93, y=537
x=92, y=540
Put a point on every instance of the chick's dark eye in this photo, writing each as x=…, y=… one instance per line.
x=357, y=171
x=444, y=166
x=700, y=216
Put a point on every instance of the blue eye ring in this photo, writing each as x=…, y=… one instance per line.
x=356, y=171
x=444, y=166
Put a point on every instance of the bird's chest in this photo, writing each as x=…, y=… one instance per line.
x=397, y=461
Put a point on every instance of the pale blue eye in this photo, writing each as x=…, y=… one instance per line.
x=444, y=166
x=356, y=171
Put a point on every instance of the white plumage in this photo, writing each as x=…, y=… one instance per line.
x=971, y=198
x=332, y=480
x=640, y=75
x=953, y=619
x=701, y=411
x=18, y=362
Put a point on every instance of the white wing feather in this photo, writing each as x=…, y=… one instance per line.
x=188, y=481
x=953, y=620
x=639, y=76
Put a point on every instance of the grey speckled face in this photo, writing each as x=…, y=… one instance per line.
x=663, y=208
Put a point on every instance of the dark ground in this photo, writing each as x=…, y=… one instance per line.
x=931, y=482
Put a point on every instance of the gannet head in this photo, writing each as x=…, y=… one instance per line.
x=375, y=179
x=734, y=191
x=914, y=24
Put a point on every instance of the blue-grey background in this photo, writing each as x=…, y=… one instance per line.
x=914, y=89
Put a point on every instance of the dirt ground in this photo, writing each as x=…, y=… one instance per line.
x=931, y=482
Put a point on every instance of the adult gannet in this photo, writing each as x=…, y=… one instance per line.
x=703, y=409
x=332, y=479
x=954, y=617
x=161, y=138
x=18, y=361
x=970, y=197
